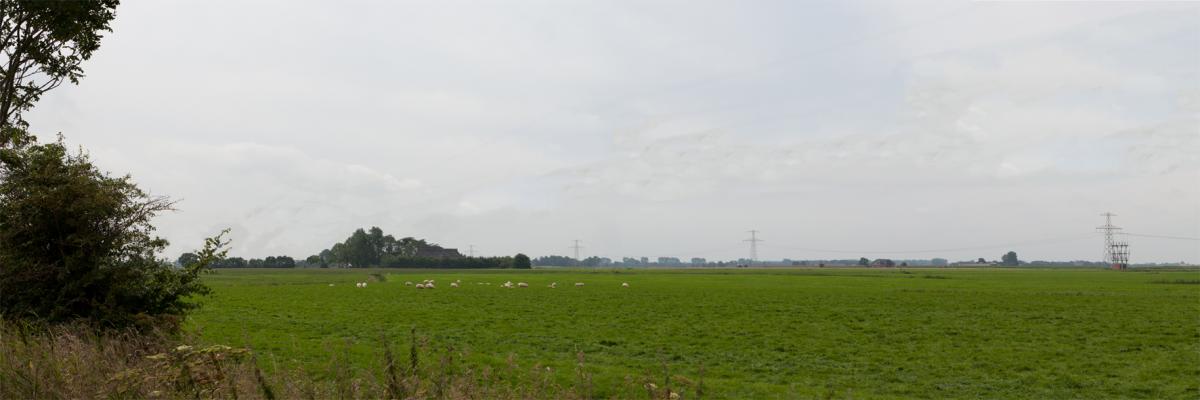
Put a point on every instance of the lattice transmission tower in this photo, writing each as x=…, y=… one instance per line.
x=1116, y=252
x=753, y=246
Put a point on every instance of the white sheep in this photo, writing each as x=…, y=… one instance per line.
x=420, y=286
x=407, y=283
x=429, y=286
x=578, y=284
x=522, y=284
x=624, y=284
x=453, y=284
x=330, y=285
x=508, y=284
x=553, y=285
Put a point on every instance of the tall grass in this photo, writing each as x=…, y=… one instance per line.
x=75, y=361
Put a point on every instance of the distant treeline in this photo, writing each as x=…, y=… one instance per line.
x=372, y=248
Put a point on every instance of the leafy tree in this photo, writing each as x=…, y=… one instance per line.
x=43, y=44
x=360, y=251
x=314, y=260
x=1009, y=259
x=521, y=261
x=76, y=243
x=864, y=262
x=981, y=260
x=186, y=259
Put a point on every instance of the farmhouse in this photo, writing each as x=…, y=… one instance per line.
x=883, y=263
x=437, y=252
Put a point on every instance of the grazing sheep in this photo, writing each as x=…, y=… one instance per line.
x=420, y=286
x=407, y=283
x=330, y=285
x=508, y=284
x=578, y=284
x=522, y=284
x=553, y=285
x=453, y=284
x=624, y=284
x=429, y=286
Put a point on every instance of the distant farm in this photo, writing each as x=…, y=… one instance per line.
x=747, y=333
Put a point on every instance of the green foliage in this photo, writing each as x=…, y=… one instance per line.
x=521, y=261
x=76, y=243
x=186, y=259
x=864, y=262
x=372, y=248
x=1010, y=259
x=44, y=43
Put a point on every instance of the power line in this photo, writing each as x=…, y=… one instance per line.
x=943, y=250
x=1158, y=236
x=1116, y=253
x=577, y=247
x=753, y=245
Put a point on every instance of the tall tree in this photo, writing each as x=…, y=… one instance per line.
x=187, y=259
x=360, y=251
x=1010, y=259
x=43, y=44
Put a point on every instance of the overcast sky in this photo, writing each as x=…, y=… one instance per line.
x=654, y=128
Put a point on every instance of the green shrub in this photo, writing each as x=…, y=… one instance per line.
x=77, y=244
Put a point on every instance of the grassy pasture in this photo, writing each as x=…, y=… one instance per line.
x=770, y=333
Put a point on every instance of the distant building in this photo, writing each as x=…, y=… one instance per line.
x=437, y=252
x=883, y=263
x=699, y=261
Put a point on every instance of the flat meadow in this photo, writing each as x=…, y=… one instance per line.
x=738, y=333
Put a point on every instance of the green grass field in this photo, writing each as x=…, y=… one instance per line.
x=773, y=333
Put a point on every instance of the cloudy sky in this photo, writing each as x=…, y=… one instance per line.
x=908, y=129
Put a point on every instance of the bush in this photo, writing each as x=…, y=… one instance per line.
x=77, y=244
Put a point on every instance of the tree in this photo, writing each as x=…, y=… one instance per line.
x=314, y=260
x=360, y=251
x=981, y=261
x=521, y=261
x=76, y=243
x=187, y=259
x=864, y=262
x=43, y=43
x=1009, y=259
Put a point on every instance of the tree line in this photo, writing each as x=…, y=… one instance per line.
x=372, y=248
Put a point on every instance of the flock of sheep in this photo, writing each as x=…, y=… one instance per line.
x=429, y=284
